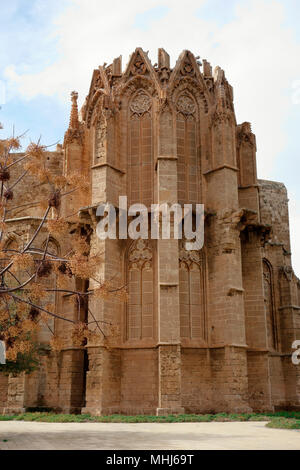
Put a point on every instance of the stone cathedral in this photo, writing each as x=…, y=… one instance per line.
x=201, y=331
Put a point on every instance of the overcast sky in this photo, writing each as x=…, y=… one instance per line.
x=50, y=47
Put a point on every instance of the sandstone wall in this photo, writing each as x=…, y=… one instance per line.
x=139, y=381
x=30, y=191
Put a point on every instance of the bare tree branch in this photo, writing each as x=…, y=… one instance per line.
x=41, y=309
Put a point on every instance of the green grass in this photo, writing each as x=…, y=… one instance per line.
x=284, y=423
x=283, y=420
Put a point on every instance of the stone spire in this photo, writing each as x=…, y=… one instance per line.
x=74, y=121
x=75, y=131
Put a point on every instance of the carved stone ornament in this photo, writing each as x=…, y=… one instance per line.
x=186, y=105
x=108, y=73
x=139, y=66
x=100, y=137
x=140, y=104
x=74, y=135
x=222, y=116
x=244, y=134
x=140, y=254
x=287, y=271
x=98, y=83
x=209, y=84
x=267, y=278
x=194, y=87
x=187, y=68
x=189, y=257
x=164, y=74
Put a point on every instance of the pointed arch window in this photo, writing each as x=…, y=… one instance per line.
x=186, y=132
x=140, y=158
x=269, y=304
x=141, y=291
x=192, y=294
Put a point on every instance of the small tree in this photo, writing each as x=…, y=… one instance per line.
x=27, y=273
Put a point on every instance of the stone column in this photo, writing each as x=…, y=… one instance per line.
x=16, y=396
x=71, y=380
x=103, y=382
x=227, y=316
x=255, y=318
x=3, y=392
x=289, y=329
x=169, y=350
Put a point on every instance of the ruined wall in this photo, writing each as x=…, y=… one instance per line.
x=283, y=297
x=35, y=192
x=274, y=212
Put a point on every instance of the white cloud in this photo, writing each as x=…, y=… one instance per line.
x=258, y=53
